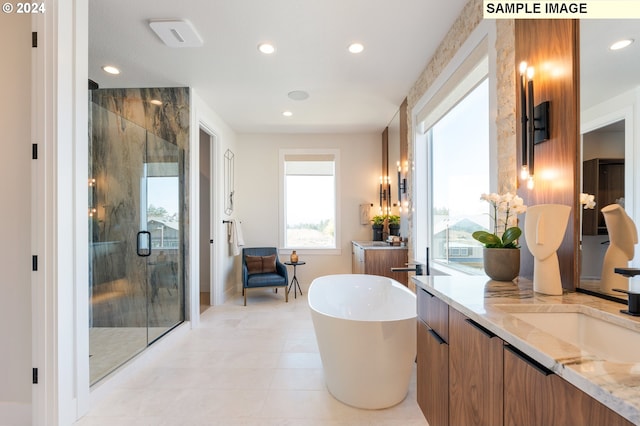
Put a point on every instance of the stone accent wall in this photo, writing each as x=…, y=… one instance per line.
x=506, y=114
x=465, y=24
x=469, y=19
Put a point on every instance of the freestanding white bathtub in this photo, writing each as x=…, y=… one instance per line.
x=366, y=331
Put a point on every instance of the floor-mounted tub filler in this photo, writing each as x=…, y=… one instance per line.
x=366, y=331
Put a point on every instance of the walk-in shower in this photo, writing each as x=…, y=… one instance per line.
x=136, y=221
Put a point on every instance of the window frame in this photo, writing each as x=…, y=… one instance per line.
x=282, y=220
x=469, y=88
x=460, y=72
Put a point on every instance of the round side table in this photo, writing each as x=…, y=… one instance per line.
x=294, y=281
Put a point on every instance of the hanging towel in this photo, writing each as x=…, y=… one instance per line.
x=235, y=237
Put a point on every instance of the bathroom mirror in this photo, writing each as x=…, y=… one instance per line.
x=393, y=159
x=609, y=94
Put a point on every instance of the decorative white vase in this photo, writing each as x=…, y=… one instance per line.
x=544, y=228
x=623, y=236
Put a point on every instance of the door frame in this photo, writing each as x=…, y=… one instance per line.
x=60, y=343
x=213, y=146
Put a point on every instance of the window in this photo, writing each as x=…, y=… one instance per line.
x=309, y=201
x=459, y=145
x=452, y=169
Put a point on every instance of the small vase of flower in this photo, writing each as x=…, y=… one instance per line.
x=394, y=225
x=501, y=255
x=377, y=225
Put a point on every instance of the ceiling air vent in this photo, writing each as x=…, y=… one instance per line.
x=176, y=33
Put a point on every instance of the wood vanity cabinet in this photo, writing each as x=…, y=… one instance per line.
x=433, y=358
x=468, y=376
x=379, y=261
x=459, y=371
x=534, y=395
x=475, y=373
x=357, y=259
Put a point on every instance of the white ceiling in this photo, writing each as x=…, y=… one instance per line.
x=348, y=93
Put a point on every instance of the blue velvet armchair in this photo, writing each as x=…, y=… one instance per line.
x=262, y=268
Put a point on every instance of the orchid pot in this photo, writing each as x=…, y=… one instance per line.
x=502, y=253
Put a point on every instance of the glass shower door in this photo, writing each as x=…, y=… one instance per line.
x=136, y=256
x=162, y=220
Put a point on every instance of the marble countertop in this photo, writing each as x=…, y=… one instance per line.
x=615, y=384
x=377, y=245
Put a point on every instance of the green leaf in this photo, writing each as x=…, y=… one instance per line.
x=488, y=239
x=510, y=235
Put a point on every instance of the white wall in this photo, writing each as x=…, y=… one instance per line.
x=15, y=250
x=257, y=192
x=602, y=145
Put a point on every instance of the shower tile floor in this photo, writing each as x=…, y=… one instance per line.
x=253, y=365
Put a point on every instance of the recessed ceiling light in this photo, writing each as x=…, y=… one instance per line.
x=287, y=113
x=266, y=48
x=356, y=47
x=621, y=44
x=111, y=69
x=298, y=95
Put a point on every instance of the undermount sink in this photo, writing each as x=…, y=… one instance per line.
x=596, y=332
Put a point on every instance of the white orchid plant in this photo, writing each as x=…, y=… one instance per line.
x=506, y=208
x=588, y=200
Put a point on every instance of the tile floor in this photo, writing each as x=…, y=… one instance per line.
x=254, y=365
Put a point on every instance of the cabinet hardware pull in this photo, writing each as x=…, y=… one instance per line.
x=428, y=294
x=436, y=336
x=526, y=358
x=480, y=328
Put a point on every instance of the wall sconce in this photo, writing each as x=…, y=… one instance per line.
x=402, y=184
x=534, y=120
x=385, y=190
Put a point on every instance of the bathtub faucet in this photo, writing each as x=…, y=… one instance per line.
x=417, y=268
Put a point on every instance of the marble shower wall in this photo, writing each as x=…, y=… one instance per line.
x=170, y=120
x=126, y=125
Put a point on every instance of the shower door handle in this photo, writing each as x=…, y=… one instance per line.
x=143, y=243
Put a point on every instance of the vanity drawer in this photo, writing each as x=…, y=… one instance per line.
x=434, y=312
